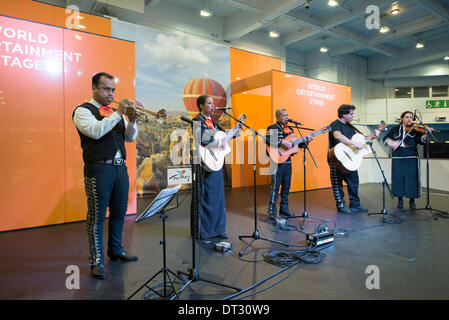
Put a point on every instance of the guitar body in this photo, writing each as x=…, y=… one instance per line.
x=348, y=158
x=213, y=157
x=280, y=155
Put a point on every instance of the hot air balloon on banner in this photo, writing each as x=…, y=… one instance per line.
x=199, y=86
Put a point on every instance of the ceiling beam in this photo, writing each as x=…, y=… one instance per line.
x=340, y=33
x=435, y=8
x=432, y=52
x=355, y=12
x=403, y=30
x=250, y=19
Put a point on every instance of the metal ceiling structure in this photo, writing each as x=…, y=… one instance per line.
x=303, y=25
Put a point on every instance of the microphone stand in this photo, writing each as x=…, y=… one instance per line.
x=305, y=215
x=384, y=211
x=192, y=273
x=428, y=207
x=256, y=235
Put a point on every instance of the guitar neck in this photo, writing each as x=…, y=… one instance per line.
x=301, y=140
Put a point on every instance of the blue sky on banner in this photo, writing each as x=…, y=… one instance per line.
x=165, y=62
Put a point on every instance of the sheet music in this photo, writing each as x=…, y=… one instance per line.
x=159, y=202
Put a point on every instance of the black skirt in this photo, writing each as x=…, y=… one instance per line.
x=406, y=176
x=212, y=213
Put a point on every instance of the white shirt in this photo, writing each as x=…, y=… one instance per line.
x=88, y=125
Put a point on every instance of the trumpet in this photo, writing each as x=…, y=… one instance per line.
x=141, y=114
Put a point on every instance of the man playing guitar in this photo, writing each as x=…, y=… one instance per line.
x=276, y=135
x=342, y=132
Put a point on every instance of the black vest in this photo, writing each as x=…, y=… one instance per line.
x=106, y=147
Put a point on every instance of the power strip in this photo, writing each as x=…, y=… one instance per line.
x=320, y=240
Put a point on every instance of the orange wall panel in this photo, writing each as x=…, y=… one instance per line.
x=32, y=132
x=57, y=16
x=45, y=72
x=256, y=104
x=314, y=103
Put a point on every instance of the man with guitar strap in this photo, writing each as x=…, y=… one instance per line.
x=342, y=132
x=276, y=135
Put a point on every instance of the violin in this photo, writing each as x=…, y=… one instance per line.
x=419, y=128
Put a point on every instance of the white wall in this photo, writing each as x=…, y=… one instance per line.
x=369, y=172
x=390, y=109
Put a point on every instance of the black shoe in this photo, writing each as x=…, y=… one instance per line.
x=272, y=216
x=123, y=256
x=98, y=272
x=288, y=215
x=412, y=204
x=400, y=203
x=359, y=209
x=341, y=207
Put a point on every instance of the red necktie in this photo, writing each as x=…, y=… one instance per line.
x=106, y=111
x=209, y=124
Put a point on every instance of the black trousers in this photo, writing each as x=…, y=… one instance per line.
x=352, y=180
x=280, y=180
x=106, y=186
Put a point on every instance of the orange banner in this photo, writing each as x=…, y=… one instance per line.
x=314, y=103
x=45, y=72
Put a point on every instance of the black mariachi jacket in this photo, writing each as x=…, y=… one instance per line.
x=411, y=141
x=202, y=133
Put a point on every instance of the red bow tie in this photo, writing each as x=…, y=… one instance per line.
x=106, y=111
x=209, y=124
x=287, y=130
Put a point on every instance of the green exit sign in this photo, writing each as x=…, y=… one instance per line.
x=435, y=104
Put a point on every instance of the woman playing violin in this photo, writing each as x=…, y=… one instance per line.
x=405, y=171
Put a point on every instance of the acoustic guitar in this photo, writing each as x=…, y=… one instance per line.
x=349, y=158
x=213, y=157
x=280, y=155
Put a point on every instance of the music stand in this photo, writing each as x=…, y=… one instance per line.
x=158, y=205
x=443, y=214
x=305, y=215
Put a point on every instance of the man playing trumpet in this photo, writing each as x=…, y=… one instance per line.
x=103, y=132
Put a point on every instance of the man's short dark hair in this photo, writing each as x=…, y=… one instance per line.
x=345, y=109
x=96, y=78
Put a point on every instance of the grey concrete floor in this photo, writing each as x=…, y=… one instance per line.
x=410, y=257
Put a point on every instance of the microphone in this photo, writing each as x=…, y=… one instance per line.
x=222, y=109
x=186, y=119
x=295, y=122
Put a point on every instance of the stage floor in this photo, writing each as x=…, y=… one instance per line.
x=410, y=258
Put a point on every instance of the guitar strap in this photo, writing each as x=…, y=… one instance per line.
x=355, y=129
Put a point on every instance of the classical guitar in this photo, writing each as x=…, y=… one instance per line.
x=213, y=157
x=349, y=158
x=280, y=155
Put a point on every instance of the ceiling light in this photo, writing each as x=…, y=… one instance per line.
x=274, y=34
x=384, y=29
x=324, y=49
x=446, y=58
x=420, y=45
x=332, y=3
x=395, y=11
x=206, y=12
